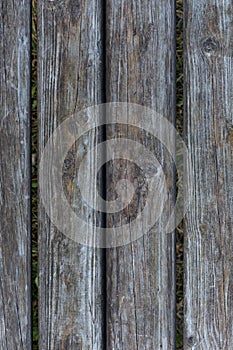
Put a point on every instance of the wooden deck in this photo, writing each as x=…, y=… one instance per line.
x=124, y=296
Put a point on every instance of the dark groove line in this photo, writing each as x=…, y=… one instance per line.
x=179, y=126
x=30, y=176
x=104, y=170
x=33, y=179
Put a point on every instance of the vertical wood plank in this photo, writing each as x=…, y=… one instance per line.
x=15, y=298
x=70, y=79
x=140, y=59
x=208, y=69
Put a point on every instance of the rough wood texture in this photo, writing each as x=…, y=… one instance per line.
x=140, y=52
x=15, y=299
x=70, y=78
x=209, y=131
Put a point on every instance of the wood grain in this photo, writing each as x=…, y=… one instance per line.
x=15, y=256
x=208, y=69
x=71, y=314
x=140, y=58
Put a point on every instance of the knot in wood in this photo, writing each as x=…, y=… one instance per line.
x=191, y=341
x=210, y=46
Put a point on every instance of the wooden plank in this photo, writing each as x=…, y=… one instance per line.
x=140, y=49
x=15, y=256
x=70, y=78
x=208, y=72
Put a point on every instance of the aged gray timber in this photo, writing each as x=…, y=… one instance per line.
x=15, y=299
x=140, y=57
x=209, y=131
x=69, y=79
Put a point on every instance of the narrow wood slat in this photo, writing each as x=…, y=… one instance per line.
x=15, y=298
x=140, y=57
x=69, y=79
x=208, y=245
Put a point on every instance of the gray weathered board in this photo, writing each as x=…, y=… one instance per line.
x=15, y=255
x=208, y=68
x=70, y=78
x=140, y=68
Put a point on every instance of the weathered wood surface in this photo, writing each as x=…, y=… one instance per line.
x=71, y=313
x=208, y=72
x=140, y=62
x=15, y=298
